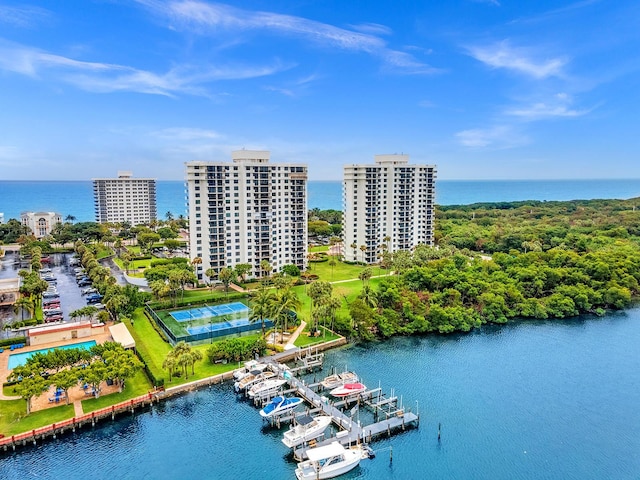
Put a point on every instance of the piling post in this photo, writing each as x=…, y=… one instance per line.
x=390, y=455
x=439, y=425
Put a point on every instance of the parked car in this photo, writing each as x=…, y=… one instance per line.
x=53, y=318
x=47, y=302
x=88, y=290
x=49, y=294
x=51, y=311
x=94, y=298
x=99, y=306
x=84, y=282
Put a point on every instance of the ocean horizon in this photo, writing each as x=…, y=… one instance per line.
x=75, y=197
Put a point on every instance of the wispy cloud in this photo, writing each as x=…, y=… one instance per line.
x=214, y=18
x=24, y=17
x=558, y=106
x=521, y=60
x=106, y=77
x=497, y=137
x=186, y=134
x=495, y=3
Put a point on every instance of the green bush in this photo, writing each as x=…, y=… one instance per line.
x=12, y=341
x=157, y=381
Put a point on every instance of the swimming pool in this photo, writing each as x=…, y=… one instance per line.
x=17, y=359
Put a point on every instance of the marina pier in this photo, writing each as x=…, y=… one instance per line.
x=395, y=418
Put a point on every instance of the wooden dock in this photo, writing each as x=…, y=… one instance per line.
x=351, y=432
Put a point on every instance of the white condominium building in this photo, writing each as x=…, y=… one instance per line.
x=388, y=205
x=40, y=223
x=125, y=199
x=247, y=211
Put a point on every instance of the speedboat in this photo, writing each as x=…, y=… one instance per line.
x=280, y=405
x=348, y=389
x=254, y=377
x=266, y=387
x=249, y=366
x=329, y=461
x=308, y=428
x=339, y=379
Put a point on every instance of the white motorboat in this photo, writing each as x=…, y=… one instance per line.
x=308, y=428
x=339, y=379
x=280, y=405
x=348, y=389
x=248, y=367
x=266, y=387
x=329, y=461
x=254, y=377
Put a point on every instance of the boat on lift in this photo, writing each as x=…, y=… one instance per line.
x=248, y=367
x=254, y=377
x=266, y=387
x=348, y=389
x=338, y=379
x=280, y=405
x=306, y=429
x=329, y=461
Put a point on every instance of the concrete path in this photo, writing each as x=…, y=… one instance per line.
x=4, y=374
x=290, y=344
x=77, y=408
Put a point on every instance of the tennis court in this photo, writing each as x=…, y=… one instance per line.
x=191, y=314
x=241, y=322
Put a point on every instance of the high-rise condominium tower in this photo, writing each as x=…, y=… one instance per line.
x=125, y=199
x=388, y=206
x=247, y=211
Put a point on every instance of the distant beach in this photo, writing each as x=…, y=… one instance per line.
x=75, y=198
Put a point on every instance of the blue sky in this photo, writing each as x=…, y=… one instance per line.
x=484, y=89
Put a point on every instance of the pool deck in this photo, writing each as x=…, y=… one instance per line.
x=4, y=360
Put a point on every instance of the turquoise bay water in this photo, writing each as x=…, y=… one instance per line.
x=76, y=197
x=16, y=359
x=528, y=400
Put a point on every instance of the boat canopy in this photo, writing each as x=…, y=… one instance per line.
x=305, y=420
x=319, y=453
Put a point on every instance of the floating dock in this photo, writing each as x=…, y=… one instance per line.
x=395, y=419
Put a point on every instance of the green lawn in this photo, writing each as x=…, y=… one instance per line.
x=155, y=350
x=340, y=271
x=14, y=419
x=134, y=387
x=319, y=248
x=148, y=342
x=304, y=340
x=349, y=289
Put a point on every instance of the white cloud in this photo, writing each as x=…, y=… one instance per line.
x=497, y=137
x=215, y=18
x=23, y=17
x=495, y=3
x=558, y=106
x=183, y=134
x=105, y=77
x=503, y=55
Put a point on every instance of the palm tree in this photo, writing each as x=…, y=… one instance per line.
x=363, y=248
x=266, y=267
x=210, y=273
x=22, y=304
x=170, y=363
x=261, y=306
x=70, y=218
x=354, y=246
x=284, y=303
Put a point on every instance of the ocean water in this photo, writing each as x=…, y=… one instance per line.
x=528, y=400
x=76, y=197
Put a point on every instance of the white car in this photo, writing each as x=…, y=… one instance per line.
x=99, y=306
x=88, y=290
